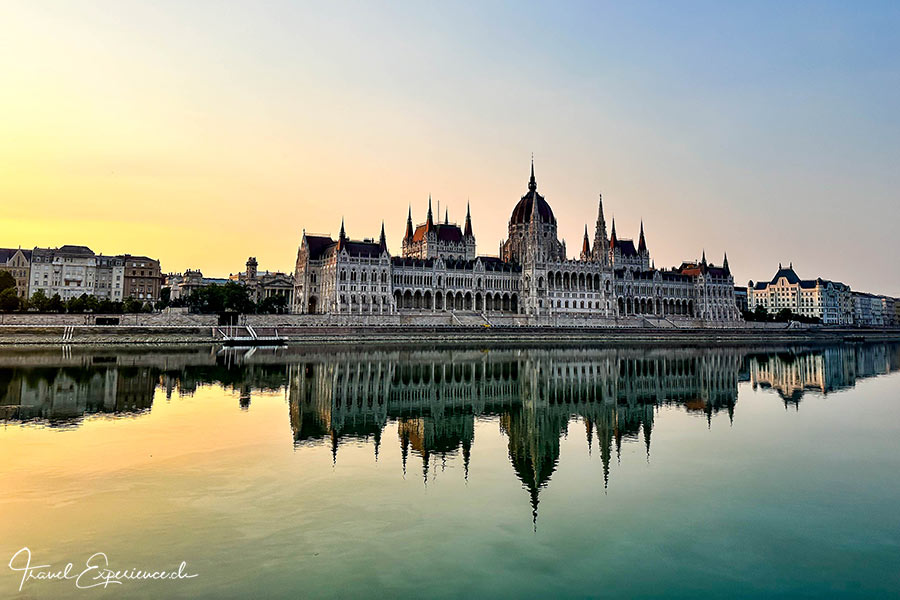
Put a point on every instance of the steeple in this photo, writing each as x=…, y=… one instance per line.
x=585, y=246
x=429, y=224
x=612, y=238
x=468, y=231
x=703, y=260
x=601, y=242
x=342, y=237
x=532, y=184
x=409, y=229
x=642, y=245
x=725, y=265
x=381, y=240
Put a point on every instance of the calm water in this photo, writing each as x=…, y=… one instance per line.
x=722, y=472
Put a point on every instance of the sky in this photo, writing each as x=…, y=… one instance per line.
x=201, y=133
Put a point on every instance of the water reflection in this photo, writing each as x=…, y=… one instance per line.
x=435, y=396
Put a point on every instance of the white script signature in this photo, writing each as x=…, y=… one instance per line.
x=96, y=572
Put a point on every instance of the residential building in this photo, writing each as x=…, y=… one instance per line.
x=868, y=310
x=17, y=262
x=69, y=271
x=143, y=278
x=828, y=301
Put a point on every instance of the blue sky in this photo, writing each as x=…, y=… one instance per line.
x=768, y=130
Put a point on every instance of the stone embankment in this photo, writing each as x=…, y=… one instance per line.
x=413, y=334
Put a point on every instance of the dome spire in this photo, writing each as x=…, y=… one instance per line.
x=532, y=183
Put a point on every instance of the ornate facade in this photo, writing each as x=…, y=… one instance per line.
x=533, y=279
x=829, y=301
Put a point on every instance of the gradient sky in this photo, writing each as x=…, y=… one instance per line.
x=204, y=132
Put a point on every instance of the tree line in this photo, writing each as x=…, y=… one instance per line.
x=210, y=299
x=785, y=315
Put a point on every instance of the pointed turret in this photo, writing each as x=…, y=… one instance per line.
x=468, y=231
x=342, y=236
x=612, y=238
x=725, y=265
x=703, y=259
x=381, y=240
x=642, y=244
x=409, y=228
x=429, y=224
x=446, y=216
x=601, y=242
x=585, y=246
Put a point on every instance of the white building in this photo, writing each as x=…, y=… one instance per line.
x=71, y=271
x=829, y=301
x=533, y=278
x=868, y=310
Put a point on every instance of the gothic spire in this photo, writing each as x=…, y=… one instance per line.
x=532, y=184
x=342, y=237
x=468, y=231
x=601, y=242
x=725, y=265
x=612, y=238
x=585, y=246
x=429, y=224
x=642, y=245
x=381, y=240
x=446, y=216
x=409, y=229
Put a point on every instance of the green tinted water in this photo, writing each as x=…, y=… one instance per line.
x=539, y=472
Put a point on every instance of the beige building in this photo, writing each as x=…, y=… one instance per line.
x=829, y=301
x=17, y=262
x=143, y=278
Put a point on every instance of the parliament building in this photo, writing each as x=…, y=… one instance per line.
x=533, y=281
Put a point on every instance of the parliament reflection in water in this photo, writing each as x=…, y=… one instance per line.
x=435, y=396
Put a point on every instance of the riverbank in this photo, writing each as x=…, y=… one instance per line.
x=169, y=334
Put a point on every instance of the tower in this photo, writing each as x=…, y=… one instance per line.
x=601, y=242
x=586, y=247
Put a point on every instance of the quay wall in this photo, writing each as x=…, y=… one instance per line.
x=11, y=335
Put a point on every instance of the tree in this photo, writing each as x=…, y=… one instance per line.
x=9, y=300
x=760, y=313
x=109, y=307
x=7, y=280
x=76, y=304
x=40, y=302
x=130, y=305
x=237, y=298
x=56, y=304
x=276, y=304
x=165, y=297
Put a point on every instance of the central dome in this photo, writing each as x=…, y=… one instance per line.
x=521, y=214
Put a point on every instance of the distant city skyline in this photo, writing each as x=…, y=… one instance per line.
x=201, y=135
